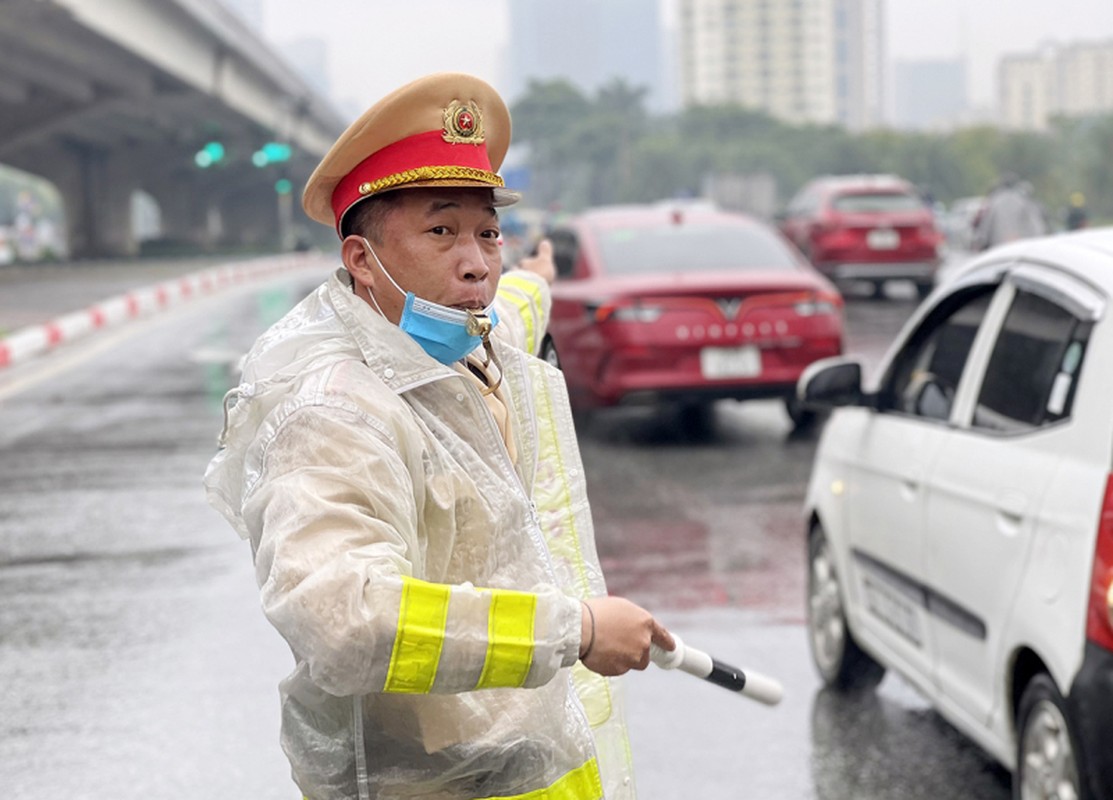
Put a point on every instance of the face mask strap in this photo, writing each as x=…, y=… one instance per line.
x=375, y=256
x=375, y=303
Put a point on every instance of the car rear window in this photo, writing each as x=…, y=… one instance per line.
x=692, y=247
x=867, y=202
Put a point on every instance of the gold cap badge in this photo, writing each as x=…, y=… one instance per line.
x=463, y=124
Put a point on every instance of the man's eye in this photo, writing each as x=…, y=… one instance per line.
x=439, y=230
x=491, y=234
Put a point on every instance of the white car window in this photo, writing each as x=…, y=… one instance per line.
x=1031, y=374
x=924, y=376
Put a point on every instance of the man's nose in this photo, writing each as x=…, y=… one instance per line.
x=473, y=264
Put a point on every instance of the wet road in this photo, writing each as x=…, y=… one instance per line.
x=136, y=663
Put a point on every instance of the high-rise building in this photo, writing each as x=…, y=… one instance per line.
x=1072, y=80
x=1024, y=86
x=589, y=43
x=803, y=61
x=1084, y=79
x=859, y=63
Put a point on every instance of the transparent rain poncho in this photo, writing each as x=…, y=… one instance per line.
x=427, y=583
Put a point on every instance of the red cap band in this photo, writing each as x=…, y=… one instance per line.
x=421, y=157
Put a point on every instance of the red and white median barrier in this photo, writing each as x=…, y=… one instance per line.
x=36, y=339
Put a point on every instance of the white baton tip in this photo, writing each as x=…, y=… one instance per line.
x=763, y=689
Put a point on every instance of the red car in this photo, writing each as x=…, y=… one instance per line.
x=874, y=228
x=685, y=305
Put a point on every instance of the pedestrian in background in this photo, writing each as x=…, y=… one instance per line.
x=408, y=475
x=1076, y=213
x=1011, y=212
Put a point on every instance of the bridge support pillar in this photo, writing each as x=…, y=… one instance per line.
x=189, y=214
x=96, y=188
x=253, y=217
x=238, y=211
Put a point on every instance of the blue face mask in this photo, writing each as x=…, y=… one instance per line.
x=447, y=334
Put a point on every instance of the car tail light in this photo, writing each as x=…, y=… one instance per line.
x=624, y=311
x=930, y=233
x=833, y=234
x=818, y=304
x=1099, y=617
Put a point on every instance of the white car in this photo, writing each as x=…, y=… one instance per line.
x=960, y=512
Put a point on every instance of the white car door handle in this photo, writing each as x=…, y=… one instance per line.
x=1011, y=510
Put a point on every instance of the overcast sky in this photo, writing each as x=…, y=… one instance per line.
x=377, y=45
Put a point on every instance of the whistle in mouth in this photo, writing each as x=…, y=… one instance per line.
x=478, y=325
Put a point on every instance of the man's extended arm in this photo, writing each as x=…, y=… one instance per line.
x=524, y=300
x=339, y=559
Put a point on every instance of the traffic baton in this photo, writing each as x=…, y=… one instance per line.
x=696, y=662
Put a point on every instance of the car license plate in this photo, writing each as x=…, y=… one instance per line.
x=730, y=362
x=883, y=239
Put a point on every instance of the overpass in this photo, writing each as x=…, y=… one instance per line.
x=107, y=97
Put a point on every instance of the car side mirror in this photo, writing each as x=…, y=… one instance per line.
x=831, y=382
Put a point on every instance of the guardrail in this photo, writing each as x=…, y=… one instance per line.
x=34, y=340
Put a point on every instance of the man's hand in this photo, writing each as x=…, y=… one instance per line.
x=541, y=263
x=623, y=633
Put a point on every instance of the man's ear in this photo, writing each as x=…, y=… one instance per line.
x=357, y=260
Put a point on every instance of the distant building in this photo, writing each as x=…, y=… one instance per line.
x=1072, y=80
x=1084, y=79
x=929, y=95
x=859, y=30
x=589, y=43
x=1024, y=87
x=805, y=61
x=775, y=57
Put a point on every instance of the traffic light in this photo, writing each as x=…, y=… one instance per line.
x=211, y=153
x=271, y=153
x=283, y=186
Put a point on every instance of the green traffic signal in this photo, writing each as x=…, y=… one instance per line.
x=211, y=153
x=283, y=186
x=271, y=153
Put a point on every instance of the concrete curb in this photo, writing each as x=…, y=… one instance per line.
x=34, y=340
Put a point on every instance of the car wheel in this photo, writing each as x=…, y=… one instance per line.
x=840, y=661
x=802, y=418
x=696, y=420
x=549, y=353
x=1047, y=761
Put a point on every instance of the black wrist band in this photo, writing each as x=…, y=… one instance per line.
x=591, y=639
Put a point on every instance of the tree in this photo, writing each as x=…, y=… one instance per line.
x=589, y=151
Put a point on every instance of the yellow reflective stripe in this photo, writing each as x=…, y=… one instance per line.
x=525, y=311
x=582, y=783
x=417, y=645
x=511, y=286
x=523, y=284
x=568, y=546
x=509, y=639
